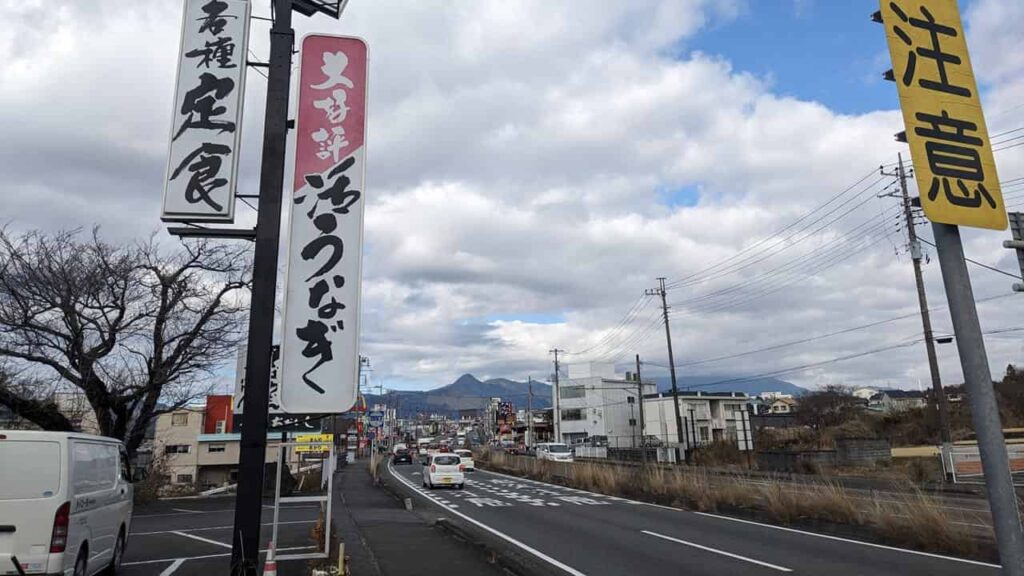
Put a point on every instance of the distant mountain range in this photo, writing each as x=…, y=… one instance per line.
x=730, y=384
x=468, y=392
x=465, y=393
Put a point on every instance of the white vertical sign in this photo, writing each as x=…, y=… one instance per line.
x=274, y=403
x=744, y=435
x=202, y=159
x=320, y=340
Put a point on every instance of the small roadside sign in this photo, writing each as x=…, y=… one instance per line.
x=318, y=438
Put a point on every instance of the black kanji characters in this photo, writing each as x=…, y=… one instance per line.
x=220, y=51
x=204, y=164
x=953, y=154
x=200, y=105
x=933, y=52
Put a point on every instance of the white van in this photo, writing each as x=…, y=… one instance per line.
x=65, y=503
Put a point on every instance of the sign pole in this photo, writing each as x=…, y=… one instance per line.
x=249, y=501
x=984, y=411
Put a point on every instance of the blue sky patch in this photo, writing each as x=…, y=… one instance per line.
x=825, y=51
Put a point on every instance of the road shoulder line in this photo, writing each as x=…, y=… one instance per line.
x=717, y=551
x=481, y=525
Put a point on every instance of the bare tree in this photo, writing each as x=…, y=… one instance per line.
x=133, y=327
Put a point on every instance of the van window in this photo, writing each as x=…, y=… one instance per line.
x=93, y=467
x=30, y=469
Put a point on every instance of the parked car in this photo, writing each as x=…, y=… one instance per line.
x=65, y=503
x=467, y=459
x=555, y=451
x=652, y=441
x=402, y=455
x=444, y=470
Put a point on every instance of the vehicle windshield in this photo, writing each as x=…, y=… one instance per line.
x=463, y=452
x=558, y=449
x=446, y=460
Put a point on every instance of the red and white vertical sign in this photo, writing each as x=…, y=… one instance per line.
x=320, y=344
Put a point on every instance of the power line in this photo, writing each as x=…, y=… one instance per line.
x=774, y=235
x=976, y=263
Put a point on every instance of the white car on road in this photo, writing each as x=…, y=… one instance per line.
x=444, y=470
x=467, y=459
x=555, y=451
x=65, y=503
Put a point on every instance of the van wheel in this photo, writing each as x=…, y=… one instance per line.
x=115, y=562
x=81, y=563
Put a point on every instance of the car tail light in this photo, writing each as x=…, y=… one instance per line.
x=61, y=519
x=462, y=467
x=433, y=468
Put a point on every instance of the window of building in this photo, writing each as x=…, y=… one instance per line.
x=704, y=435
x=180, y=419
x=221, y=426
x=178, y=449
x=212, y=448
x=183, y=479
x=567, y=392
x=572, y=414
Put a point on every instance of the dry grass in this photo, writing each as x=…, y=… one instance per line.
x=920, y=522
x=917, y=521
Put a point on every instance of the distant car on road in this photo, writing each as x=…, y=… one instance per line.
x=554, y=451
x=65, y=503
x=402, y=455
x=444, y=470
x=467, y=459
x=399, y=446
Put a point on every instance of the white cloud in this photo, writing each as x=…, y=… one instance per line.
x=521, y=157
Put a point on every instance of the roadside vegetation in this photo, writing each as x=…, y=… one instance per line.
x=911, y=519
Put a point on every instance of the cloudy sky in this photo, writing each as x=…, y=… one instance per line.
x=534, y=166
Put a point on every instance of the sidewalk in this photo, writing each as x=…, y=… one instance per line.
x=382, y=538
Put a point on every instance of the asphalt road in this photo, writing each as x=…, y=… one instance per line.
x=583, y=533
x=193, y=536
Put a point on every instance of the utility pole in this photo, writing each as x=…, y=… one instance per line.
x=660, y=291
x=245, y=548
x=558, y=415
x=941, y=405
x=640, y=400
x=529, y=414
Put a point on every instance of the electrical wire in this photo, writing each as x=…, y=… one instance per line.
x=774, y=235
x=976, y=263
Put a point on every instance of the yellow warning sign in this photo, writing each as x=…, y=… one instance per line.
x=949, y=142
x=328, y=438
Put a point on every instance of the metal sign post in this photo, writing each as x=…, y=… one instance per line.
x=981, y=395
x=958, y=184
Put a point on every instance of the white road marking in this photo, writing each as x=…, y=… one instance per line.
x=508, y=539
x=227, y=527
x=201, y=539
x=717, y=551
x=204, y=557
x=837, y=538
x=187, y=511
x=794, y=530
x=174, y=566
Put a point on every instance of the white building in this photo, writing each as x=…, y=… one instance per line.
x=594, y=401
x=706, y=416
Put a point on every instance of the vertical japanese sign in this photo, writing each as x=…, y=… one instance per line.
x=202, y=161
x=320, y=345
x=949, y=142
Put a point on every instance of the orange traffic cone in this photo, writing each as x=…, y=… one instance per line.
x=270, y=565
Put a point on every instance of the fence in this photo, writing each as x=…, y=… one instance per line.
x=964, y=464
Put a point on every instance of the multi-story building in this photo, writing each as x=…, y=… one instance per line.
x=594, y=401
x=706, y=416
x=198, y=448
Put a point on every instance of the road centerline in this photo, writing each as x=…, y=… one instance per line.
x=717, y=551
